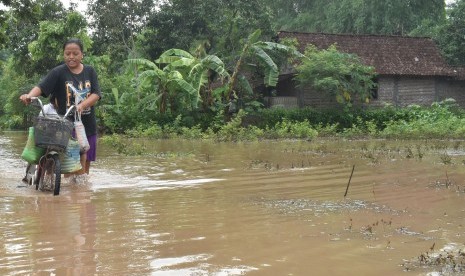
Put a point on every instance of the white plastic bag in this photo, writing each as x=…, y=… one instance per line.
x=49, y=110
x=81, y=134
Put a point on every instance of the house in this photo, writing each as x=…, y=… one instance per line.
x=410, y=70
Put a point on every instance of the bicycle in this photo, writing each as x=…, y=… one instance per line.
x=52, y=133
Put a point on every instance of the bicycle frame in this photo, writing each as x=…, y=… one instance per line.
x=46, y=175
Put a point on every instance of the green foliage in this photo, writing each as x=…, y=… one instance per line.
x=182, y=86
x=23, y=27
x=396, y=17
x=259, y=54
x=199, y=71
x=123, y=145
x=360, y=128
x=222, y=24
x=438, y=121
x=234, y=131
x=48, y=48
x=441, y=120
x=342, y=76
x=166, y=88
x=13, y=114
x=288, y=129
x=116, y=26
x=450, y=35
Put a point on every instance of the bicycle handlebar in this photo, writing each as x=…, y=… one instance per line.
x=37, y=102
x=69, y=110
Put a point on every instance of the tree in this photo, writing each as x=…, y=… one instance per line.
x=178, y=80
x=395, y=17
x=116, y=24
x=23, y=23
x=451, y=35
x=46, y=51
x=3, y=25
x=165, y=88
x=260, y=53
x=220, y=24
x=339, y=75
x=200, y=71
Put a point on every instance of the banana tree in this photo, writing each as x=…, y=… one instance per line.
x=170, y=88
x=263, y=52
x=200, y=72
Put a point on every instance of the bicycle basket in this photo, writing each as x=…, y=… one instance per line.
x=52, y=132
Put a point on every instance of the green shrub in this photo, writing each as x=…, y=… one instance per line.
x=288, y=129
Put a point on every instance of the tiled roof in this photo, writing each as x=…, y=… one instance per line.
x=389, y=55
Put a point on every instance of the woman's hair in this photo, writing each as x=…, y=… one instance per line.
x=76, y=41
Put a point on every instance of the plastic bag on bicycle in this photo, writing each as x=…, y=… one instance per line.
x=71, y=158
x=31, y=152
x=81, y=136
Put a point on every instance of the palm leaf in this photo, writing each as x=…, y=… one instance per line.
x=177, y=52
x=245, y=84
x=277, y=47
x=271, y=69
x=150, y=74
x=182, y=62
x=141, y=62
x=198, y=76
x=184, y=86
x=115, y=93
x=210, y=62
x=215, y=64
x=254, y=37
x=150, y=77
x=173, y=55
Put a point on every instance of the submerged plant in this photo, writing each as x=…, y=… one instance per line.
x=446, y=159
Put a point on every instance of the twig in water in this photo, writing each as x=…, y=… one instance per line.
x=348, y=184
x=447, y=180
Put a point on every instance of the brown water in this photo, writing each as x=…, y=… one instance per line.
x=261, y=208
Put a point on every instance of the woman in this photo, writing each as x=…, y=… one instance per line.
x=60, y=84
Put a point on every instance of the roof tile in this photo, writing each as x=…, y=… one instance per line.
x=389, y=55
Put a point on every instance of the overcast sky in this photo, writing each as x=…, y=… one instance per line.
x=82, y=4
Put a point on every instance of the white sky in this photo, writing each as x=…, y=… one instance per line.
x=81, y=4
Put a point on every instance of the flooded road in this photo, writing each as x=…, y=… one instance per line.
x=259, y=208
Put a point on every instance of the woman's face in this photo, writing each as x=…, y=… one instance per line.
x=72, y=55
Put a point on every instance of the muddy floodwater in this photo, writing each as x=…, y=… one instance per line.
x=258, y=208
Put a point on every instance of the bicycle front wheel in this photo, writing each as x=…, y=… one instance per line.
x=50, y=176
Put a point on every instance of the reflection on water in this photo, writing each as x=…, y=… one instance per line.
x=262, y=208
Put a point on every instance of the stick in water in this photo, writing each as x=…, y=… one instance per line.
x=348, y=184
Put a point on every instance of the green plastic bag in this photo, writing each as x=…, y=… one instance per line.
x=31, y=152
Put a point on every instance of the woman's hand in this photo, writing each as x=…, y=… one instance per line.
x=89, y=102
x=80, y=108
x=25, y=99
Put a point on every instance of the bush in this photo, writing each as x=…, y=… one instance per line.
x=441, y=120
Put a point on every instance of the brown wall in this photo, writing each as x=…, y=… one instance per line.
x=452, y=89
x=404, y=91
x=392, y=90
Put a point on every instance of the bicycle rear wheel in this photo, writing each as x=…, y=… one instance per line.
x=50, y=174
